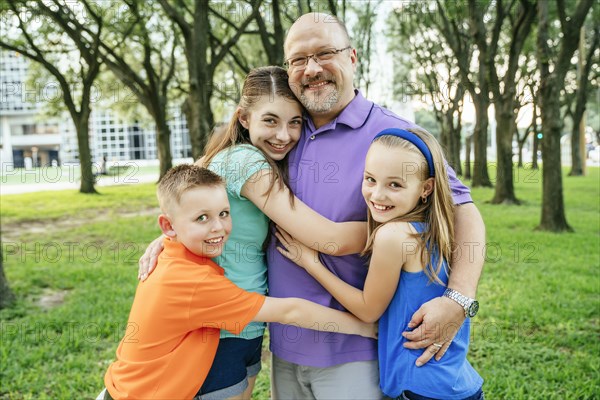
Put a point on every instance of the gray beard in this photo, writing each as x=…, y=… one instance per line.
x=318, y=105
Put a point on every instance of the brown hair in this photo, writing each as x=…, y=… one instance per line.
x=263, y=81
x=437, y=212
x=180, y=179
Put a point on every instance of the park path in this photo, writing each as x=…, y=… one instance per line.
x=18, y=188
x=14, y=232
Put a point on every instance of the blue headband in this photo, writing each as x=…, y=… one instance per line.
x=414, y=139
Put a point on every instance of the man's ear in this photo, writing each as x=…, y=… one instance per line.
x=166, y=227
x=354, y=58
x=428, y=186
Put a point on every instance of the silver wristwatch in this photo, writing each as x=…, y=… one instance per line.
x=470, y=305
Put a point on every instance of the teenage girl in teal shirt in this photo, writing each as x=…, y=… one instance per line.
x=251, y=156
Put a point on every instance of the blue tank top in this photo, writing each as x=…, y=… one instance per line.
x=450, y=378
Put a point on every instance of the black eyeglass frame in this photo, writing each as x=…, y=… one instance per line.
x=314, y=56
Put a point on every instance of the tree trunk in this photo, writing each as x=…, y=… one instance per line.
x=578, y=150
x=468, y=142
x=520, y=155
x=163, y=142
x=480, y=171
x=531, y=130
x=577, y=158
x=200, y=120
x=455, y=146
x=272, y=43
x=88, y=179
x=536, y=148
x=504, y=188
x=197, y=109
x=7, y=297
x=451, y=141
x=521, y=143
x=553, y=208
x=446, y=127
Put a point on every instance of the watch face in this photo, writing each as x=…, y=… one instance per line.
x=473, y=308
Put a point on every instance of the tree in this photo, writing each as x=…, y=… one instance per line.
x=139, y=50
x=463, y=34
x=362, y=39
x=204, y=52
x=74, y=68
x=527, y=95
x=272, y=42
x=577, y=100
x=552, y=80
x=504, y=89
x=436, y=74
x=468, y=146
x=7, y=297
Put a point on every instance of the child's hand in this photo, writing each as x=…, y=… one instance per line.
x=372, y=330
x=148, y=260
x=299, y=253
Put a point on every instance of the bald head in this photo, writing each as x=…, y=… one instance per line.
x=324, y=83
x=325, y=23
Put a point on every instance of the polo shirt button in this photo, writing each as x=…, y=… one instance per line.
x=312, y=137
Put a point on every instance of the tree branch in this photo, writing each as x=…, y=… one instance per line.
x=218, y=57
x=171, y=72
x=562, y=13
x=186, y=29
x=222, y=18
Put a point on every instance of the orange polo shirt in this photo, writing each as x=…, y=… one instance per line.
x=173, y=329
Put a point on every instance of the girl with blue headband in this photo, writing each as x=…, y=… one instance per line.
x=411, y=225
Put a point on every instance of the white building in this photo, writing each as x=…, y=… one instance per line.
x=25, y=141
x=21, y=136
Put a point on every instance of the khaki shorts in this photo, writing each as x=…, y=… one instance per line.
x=355, y=380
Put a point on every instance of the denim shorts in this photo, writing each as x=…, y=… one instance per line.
x=408, y=395
x=236, y=360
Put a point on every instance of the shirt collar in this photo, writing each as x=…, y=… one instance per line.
x=178, y=250
x=354, y=115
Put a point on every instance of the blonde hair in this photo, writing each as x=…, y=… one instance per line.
x=437, y=211
x=263, y=81
x=179, y=180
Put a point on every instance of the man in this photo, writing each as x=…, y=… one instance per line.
x=326, y=172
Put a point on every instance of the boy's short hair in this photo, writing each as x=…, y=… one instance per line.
x=180, y=179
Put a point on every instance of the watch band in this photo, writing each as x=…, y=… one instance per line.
x=471, y=306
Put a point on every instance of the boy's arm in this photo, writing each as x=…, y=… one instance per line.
x=438, y=320
x=309, y=315
x=217, y=302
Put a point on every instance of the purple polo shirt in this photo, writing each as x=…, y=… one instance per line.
x=326, y=172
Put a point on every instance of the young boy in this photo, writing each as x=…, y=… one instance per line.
x=176, y=316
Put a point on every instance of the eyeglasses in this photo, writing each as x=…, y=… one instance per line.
x=321, y=58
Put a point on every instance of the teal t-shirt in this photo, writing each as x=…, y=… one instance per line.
x=243, y=259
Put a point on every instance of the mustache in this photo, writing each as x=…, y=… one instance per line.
x=319, y=77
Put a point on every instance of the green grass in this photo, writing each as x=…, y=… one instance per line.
x=536, y=336
x=59, y=205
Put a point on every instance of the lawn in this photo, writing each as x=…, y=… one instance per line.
x=72, y=261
